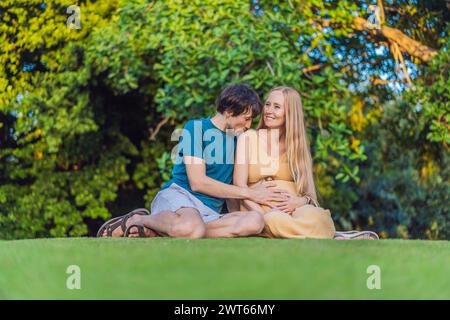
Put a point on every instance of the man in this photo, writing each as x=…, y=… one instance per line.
x=189, y=205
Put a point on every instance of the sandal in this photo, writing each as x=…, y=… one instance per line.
x=109, y=225
x=356, y=235
x=120, y=221
x=140, y=228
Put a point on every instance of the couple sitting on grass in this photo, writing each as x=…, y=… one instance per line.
x=264, y=175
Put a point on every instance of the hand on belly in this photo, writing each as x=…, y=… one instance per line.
x=288, y=186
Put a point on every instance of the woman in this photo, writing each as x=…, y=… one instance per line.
x=278, y=150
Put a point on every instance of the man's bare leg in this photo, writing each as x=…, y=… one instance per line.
x=236, y=224
x=184, y=223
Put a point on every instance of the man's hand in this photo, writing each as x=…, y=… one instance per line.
x=292, y=203
x=266, y=192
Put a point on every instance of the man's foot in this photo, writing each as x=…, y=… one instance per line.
x=134, y=232
x=116, y=233
x=115, y=227
x=149, y=233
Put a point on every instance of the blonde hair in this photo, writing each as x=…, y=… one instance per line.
x=297, y=146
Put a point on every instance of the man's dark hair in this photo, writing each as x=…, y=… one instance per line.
x=238, y=99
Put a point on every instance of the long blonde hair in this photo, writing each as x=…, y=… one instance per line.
x=297, y=146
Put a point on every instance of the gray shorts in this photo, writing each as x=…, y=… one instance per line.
x=175, y=197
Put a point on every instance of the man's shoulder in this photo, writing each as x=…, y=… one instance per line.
x=197, y=123
x=192, y=121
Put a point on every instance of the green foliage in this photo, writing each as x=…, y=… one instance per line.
x=60, y=163
x=431, y=98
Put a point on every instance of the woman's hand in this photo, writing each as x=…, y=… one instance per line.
x=292, y=203
x=265, y=192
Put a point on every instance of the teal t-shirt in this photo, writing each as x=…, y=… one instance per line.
x=200, y=138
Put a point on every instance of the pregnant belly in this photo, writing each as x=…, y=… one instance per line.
x=289, y=186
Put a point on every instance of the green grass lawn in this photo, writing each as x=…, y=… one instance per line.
x=247, y=268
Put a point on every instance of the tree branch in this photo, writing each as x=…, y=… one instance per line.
x=154, y=132
x=312, y=68
x=413, y=47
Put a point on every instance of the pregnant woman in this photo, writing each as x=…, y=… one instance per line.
x=278, y=151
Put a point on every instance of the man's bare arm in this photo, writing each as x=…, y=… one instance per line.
x=200, y=182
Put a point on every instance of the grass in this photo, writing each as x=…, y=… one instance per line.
x=248, y=268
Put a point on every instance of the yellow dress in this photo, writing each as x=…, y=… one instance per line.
x=307, y=221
